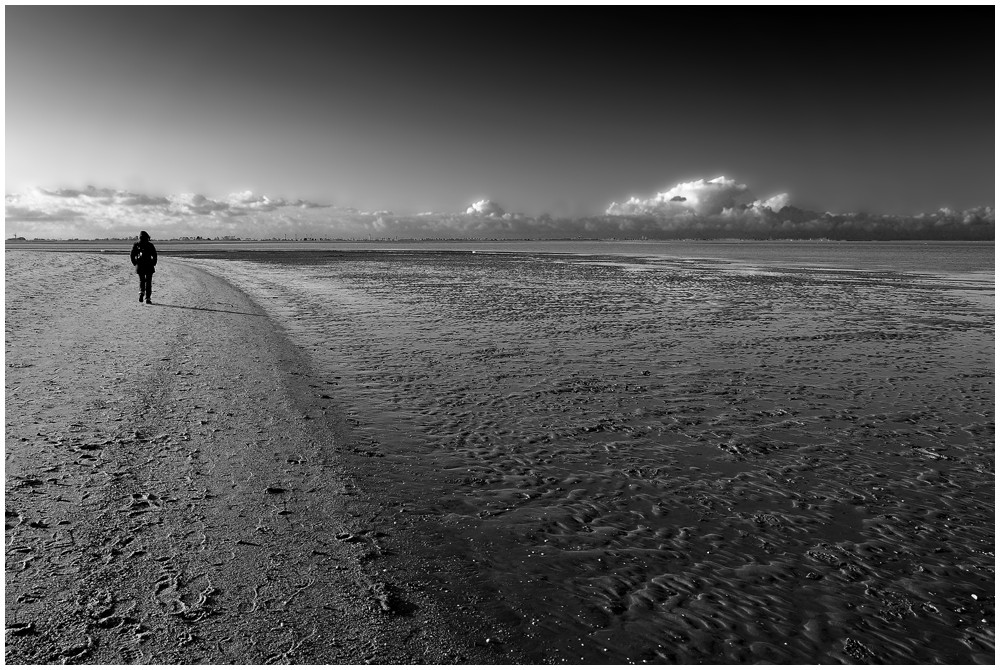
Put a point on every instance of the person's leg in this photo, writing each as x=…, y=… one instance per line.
x=149, y=286
x=142, y=286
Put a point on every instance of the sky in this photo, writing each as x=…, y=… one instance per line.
x=570, y=112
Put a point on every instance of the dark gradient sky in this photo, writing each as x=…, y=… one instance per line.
x=560, y=110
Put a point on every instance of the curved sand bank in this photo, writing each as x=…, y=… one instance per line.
x=172, y=489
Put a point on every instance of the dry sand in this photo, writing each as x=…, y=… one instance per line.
x=172, y=493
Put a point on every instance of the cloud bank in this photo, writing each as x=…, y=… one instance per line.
x=700, y=209
x=724, y=208
x=94, y=213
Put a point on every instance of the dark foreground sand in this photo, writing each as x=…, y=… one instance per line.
x=672, y=461
x=172, y=491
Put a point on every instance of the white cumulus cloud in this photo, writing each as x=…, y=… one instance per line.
x=696, y=198
x=485, y=208
x=775, y=203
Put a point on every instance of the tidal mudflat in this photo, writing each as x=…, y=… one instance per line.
x=646, y=458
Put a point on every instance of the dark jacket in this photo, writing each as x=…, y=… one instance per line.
x=144, y=257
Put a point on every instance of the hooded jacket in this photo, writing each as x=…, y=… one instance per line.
x=144, y=256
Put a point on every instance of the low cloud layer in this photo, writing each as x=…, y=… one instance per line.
x=698, y=209
x=724, y=208
x=94, y=213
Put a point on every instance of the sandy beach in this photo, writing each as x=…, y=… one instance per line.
x=170, y=495
x=585, y=338
x=444, y=456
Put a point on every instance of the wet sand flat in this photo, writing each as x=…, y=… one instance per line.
x=664, y=460
x=171, y=488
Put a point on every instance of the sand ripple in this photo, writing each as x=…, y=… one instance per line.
x=688, y=463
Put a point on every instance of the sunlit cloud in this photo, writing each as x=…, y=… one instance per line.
x=696, y=198
x=775, y=203
x=485, y=208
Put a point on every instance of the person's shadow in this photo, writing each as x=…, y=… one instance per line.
x=205, y=309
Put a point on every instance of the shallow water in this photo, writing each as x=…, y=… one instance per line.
x=660, y=459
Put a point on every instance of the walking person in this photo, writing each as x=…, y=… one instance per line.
x=144, y=259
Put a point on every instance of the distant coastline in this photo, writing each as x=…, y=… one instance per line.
x=940, y=257
x=463, y=240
